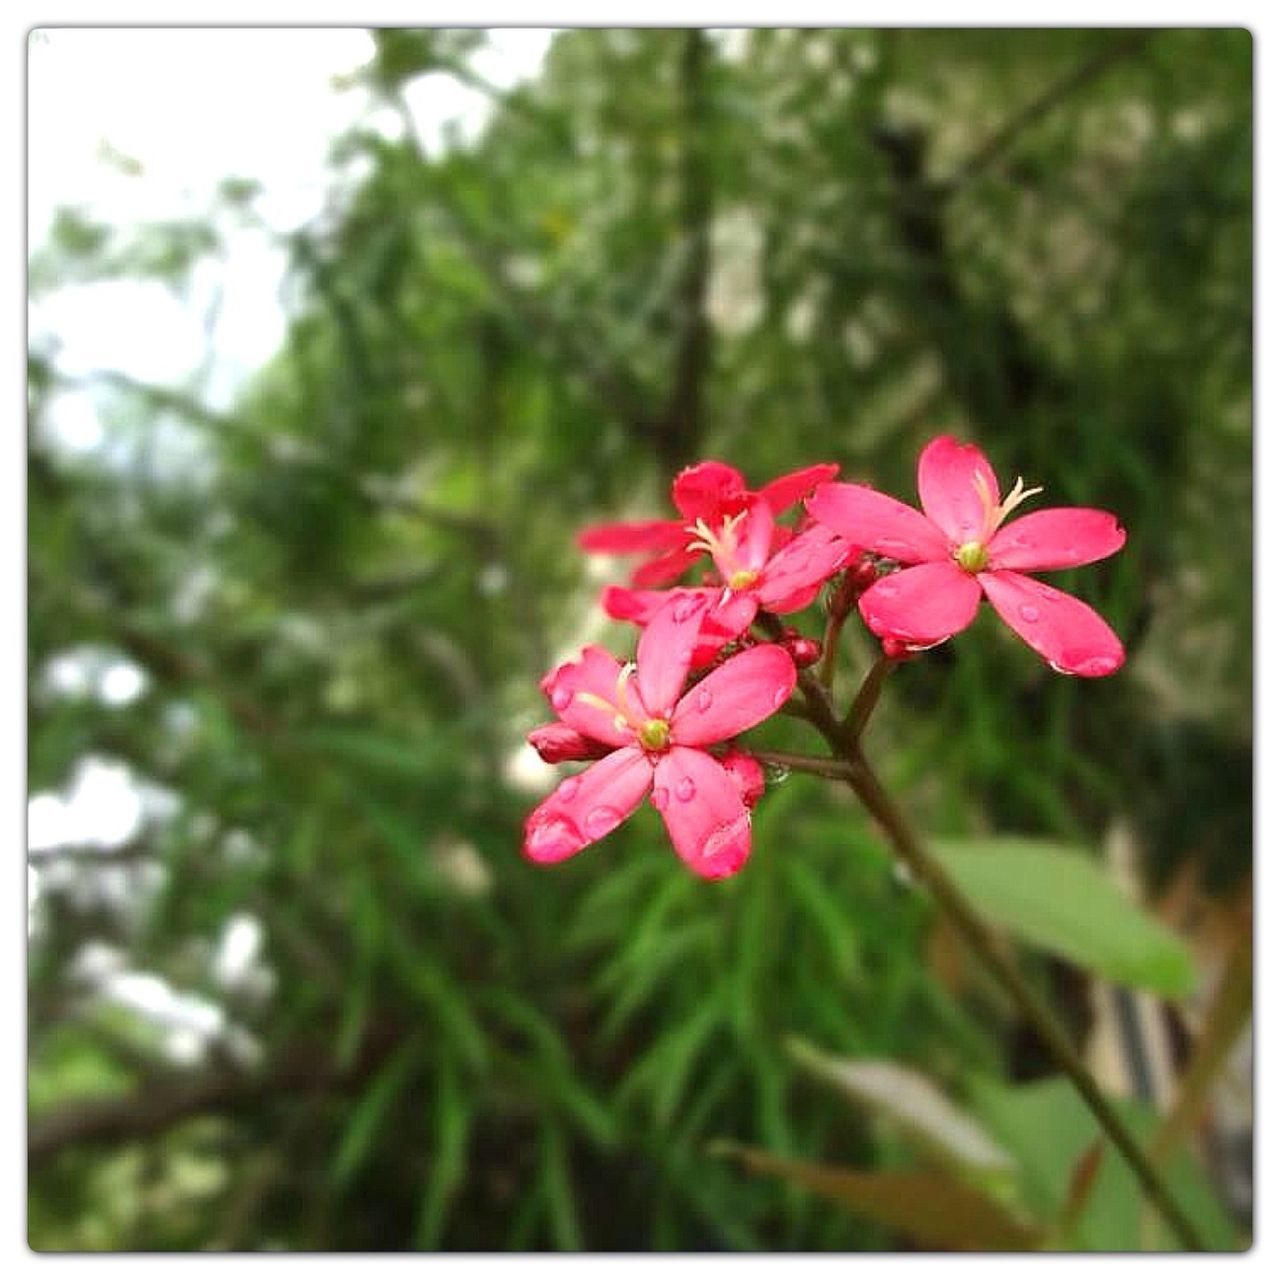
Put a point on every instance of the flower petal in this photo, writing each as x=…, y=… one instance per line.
x=628, y=605
x=664, y=569
x=1056, y=538
x=755, y=536
x=633, y=536
x=556, y=743
x=749, y=688
x=923, y=605
x=703, y=811
x=703, y=490
x=786, y=490
x=747, y=773
x=596, y=673
x=805, y=563
x=1064, y=631
x=871, y=519
x=949, y=492
x=587, y=806
x=665, y=651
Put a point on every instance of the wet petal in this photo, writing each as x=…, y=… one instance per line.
x=556, y=743
x=729, y=616
x=629, y=605
x=1056, y=538
x=703, y=490
x=588, y=806
x=922, y=605
x=871, y=519
x=665, y=651
x=630, y=537
x=703, y=811
x=786, y=490
x=749, y=688
x=596, y=673
x=801, y=567
x=1064, y=631
x=949, y=495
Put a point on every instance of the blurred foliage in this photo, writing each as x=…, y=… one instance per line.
x=773, y=247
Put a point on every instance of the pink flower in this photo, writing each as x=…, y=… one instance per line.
x=656, y=738
x=710, y=492
x=755, y=573
x=960, y=549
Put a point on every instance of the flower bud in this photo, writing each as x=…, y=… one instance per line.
x=745, y=770
x=556, y=743
x=804, y=650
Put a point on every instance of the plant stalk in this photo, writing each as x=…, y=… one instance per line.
x=846, y=746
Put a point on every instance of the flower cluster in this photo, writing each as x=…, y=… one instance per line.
x=664, y=725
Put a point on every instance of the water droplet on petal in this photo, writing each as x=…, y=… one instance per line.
x=1028, y=613
x=725, y=847
x=685, y=790
x=560, y=697
x=553, y=838
x=568, y=789
x=601, y=821
x=686, y=654
x=661, y=798
x=781, y=694
x=704, y=700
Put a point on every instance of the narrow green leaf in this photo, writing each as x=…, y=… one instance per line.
x=369, y=1113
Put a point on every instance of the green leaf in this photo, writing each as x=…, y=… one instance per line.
x=932, y=1209
x=370, y=1112
x=913, y=1103
x=1056, y=897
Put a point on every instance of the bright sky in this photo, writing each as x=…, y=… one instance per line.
x=188, y=107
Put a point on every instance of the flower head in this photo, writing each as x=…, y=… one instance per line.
x=655, y=736
x=706, y=495
x=961, y=548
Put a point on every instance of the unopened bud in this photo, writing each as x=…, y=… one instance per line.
x=859, y=574
x=556, y=743
x=804, y=650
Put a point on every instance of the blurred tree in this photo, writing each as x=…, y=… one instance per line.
x=774, y=247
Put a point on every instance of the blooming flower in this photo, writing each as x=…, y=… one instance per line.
x=656, y=738
x=960, y=549
x=710, y=492
x=754, y=574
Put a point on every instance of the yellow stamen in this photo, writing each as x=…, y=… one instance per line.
x=995, y=514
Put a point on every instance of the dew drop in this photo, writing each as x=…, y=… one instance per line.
x=601, y=821
x=686, y=654
x=685, y=790
x=726, y=847
x=568, y=789
x=704, y=700
x=886, y=587
x=781, y=694
x=1028, y=613
x=661, y=798
x=561, y=697
x=553, y=838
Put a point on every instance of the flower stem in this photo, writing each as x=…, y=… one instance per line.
x=841, y=737
x=823, y=766
x=865, y=703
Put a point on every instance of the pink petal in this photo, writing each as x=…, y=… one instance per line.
x=724, y=622
x=633, y=536
x=755, y=536
x=949, y=495
x=596, y=672
x=749, y=688
x=801, y=567
x=747, y=773
x=1056, y=538
x=665, y=651
x=786, y=490
x=556, y=743
x=701, y=491
x=704, y=812
x=664, y=569
x=1064, y=631
x=922, y=605
x=587, y=806
x=627, y=605
x=870, y=519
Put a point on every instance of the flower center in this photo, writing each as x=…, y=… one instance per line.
x=654, y=735
x=971, y=557
x=743, y=579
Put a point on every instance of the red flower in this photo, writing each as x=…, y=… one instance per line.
x=960, y=550
x=755, y=573
x=710, y=492
x=656, y=740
